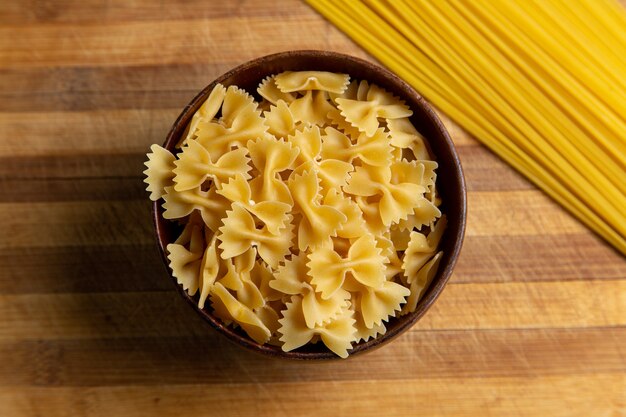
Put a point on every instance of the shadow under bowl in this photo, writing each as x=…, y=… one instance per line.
x=450, y=184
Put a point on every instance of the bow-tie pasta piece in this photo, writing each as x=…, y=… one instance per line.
x=289, y=82
x=262, y=276
x=336, y=162
x=238, y=279
x=159, y=173
x=210, y=269
x=319, y=222
x=379, y=104
x=372, y=150
x=227, y=306
x=393, y=263
x=337, y=120
x=241, y=121
x=317, y=311
x=404, y=135
x=354, y=226
x=239, y=233
x=212, y=206
x=194, y=166
x=337, y=334
x=397, y=199
x=370, y=207
x=378, y=304
x=270, y=157
x=279, y=120
x=270, y=91
x=309, y=142
x=350, y=92
x=185, y=263
x=273, y=214
x=206, y=113
x=421, y=282
x=364, y=262
x=362, y=331
x=292, y=278
x=421, y=248
x=332, y=173
x=313, y=107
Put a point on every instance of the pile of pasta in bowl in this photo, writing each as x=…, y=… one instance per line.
x=308, y=216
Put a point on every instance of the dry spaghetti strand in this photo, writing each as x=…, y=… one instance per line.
x=542, y=84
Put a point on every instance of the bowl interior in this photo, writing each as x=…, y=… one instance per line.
x=451, y=185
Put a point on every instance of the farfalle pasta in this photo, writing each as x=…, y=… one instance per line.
x=310, y=215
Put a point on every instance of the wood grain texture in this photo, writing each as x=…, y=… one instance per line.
x=533, y=322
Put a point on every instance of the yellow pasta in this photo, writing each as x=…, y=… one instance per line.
x=541, y=83
x=303, y=223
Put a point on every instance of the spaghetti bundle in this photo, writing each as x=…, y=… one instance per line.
x=541, y=83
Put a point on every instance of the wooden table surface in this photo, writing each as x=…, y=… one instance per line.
x=531, y=323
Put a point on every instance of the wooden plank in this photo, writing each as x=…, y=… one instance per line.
x=484, y=171
x=459, y=136
x=538, y=258
x=75, y=11
x=97, y=100
x=71, y=189
x=105, y=132
x=83, y=269
x=514, y=213
x=51, y=177
x=164, y=42
x=116, y=130
x=55, y=224
x=573, y=304
x=54, y=89
x=96, y=223
x=555, y=396
x=106, y=268
x=211, y=359
x=97, y=166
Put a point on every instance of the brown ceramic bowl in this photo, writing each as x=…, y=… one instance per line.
x=451, y=184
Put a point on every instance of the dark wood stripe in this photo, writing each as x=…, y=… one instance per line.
x=84, y=223
x=102, y=166
x=209, y=358
x=83, y=269
x=71, y=189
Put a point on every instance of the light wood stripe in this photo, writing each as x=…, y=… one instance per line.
x=109, y=131
x=572, y=304
x=36, y=133
x=68, y=11
x=211, y=359
x=515, y=213
x=538, y=258
x=555, y=396
x=164, y=42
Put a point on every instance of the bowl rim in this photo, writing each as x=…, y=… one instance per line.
x=437, y=284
